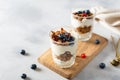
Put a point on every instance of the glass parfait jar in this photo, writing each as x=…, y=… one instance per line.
x=82, y=22
x=64, y=46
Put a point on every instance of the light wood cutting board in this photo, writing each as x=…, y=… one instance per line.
x=90, y=48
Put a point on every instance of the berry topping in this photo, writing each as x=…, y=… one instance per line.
x=71, y=39
x=23, y=76
x=84, y=15
x=84, y=11
x=33, y=66
x=97, y=41
x=83, y=55
x=23, y=52
x=79, y=12
x=62, y=36
x=102, y=65
x=87, y=11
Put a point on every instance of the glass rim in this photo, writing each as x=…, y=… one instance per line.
x=78, y=9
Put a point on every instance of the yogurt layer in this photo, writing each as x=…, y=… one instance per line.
x=85, y=22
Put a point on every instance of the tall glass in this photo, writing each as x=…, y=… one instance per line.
x=63, y=53
x=82, y=22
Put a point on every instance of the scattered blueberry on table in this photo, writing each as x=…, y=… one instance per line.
x=33, y=66
x=23, y=76
x=97, y=41
x=102, y=65
x=23, y=52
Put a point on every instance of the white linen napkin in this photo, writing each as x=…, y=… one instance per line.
x=108, y=17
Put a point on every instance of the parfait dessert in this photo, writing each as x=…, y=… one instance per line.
x=82, y=21
x=64, y=46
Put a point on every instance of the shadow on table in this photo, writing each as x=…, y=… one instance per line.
x=38, y=69
x=28, y=78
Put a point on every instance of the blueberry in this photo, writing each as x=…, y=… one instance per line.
x=97, y=41
x=84, y=11
x=102, y=65
x=23, y=52
x=61, y=36
x=33, y=66
x=79, y=12
x=71, y=39
x=24, y=76
x=87, y=11
x=64, y=39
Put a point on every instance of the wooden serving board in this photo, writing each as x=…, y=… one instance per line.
x=89, y=47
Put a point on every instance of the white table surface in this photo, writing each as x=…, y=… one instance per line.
x=25, y=24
